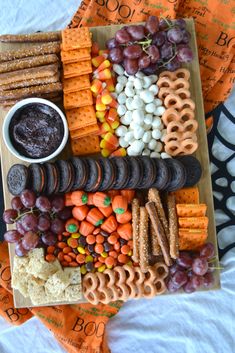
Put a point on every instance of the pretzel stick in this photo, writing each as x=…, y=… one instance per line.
x=27, y=74
x=26, y=63
x=33, y=37
x=151, y=208
x=153, y=195
x=156, y=249
x=32, y=82
x=135, y=228
x=33, y=90
x=173, y=227
x=143, y=240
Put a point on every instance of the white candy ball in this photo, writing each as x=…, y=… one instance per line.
x=131, y=78
x=138, y=132
x=118, y=69
x=138, y=116
x=154, y=89
x=156, y=122
x=165, y=155
x=129, y=136
x=134, y=125
x=159, y=147
x=121, y=110
x=137, y=146
x=122, y=80
x=140, y=74
x=123, y=143
x=147, y=96
x=148, y=119
x=157, y=102
x=146, y=82
x=155, y=155
x=127, y=118
x=121, y=98
x=121, y=131
x=160, y=110
x=153, y=78
x=147, y=137
x=152, y=144
x=129, y=91
x=163, y=135
x=146, y=152
x=150, y=107
x=137, y=102
x=147, y=127
x=129, y=103
x=156, y=134
x=138, y=83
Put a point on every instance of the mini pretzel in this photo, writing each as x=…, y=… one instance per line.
x=169, y=115
x=173, y=101
x=110, y=276
x=160, y=286
x=164, y=91
x=175, y=126
x=104, y=293
x=189, y=135
x=162, y=270
x=190, y=126
x=120, y=275
x=173, y=148
x=182, y=73
x=90, y=281
x=186, y=114
x=167, y=74
x=188, y=103
x=130, y=280
x=189, y=146
x=149, y=289
x=183, y=93
x=173, y=136
x=166, y=82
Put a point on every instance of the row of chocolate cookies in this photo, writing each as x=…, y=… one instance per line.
x=105, y=173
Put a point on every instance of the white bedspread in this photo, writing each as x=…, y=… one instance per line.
x=196, y=323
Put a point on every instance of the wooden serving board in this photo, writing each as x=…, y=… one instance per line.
x=101, y=34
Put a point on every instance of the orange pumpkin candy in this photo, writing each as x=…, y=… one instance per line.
x=119, y=204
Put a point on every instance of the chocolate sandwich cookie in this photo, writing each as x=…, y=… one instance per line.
x=18, y=179
x=162, y=174
x=66, y=175
x=193, y=169
x=136, y=172
x=109, y=173
x=122, y=172
x=177, y=175
x=149, y=172
x=80, y=173
x=37, y=177
x=95, y=173
x=52, y=175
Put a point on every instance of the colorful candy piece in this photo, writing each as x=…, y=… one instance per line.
x=111, y=139
x=106, y=98
x=106, y=145
x=114, y=103
x=104, y=128
x=96, y=86
x=121, y=152
x=112, y=115
x=103, y=75
x=115, y=125
x=100, y=114
x=104, y=65
x=103, y=51
x=105, y=152
x=98, y=60
x=110, y=84
x=99, y=105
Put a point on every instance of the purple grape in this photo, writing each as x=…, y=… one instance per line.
x=208, y=251
x=133, y=51
x=43, y=204
x=197, y=281
x=208, y=279
x=111, y=43
x=159, y=38
x=28, y=198
x=179, y=278
x=200, y=266
x=136, y=32
x=57, y=203
x=184, y=55
x=184, y=260
x=167, y=51
x=164, y=24
x=57, y=226
x=9, y=216
x=180, y=22
x=144, y=61
x=12, y=236
x=173, y=65
x=20, y=250
x=152, y=24
x=29, y=222
x=175, y=35
x=153, y=53
x=43, y=223
x=150, y=70
x=122, y=36
x=172, y=287
x=49, y=238
x=20, y=228
x=175, y=267
x=65, y=214
x=116, y=55
x=186, y=36
x=16, y=203
x=30, y=240
x=131, y=66
x=188, y=287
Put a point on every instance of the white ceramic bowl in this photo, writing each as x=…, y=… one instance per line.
x=6, y=136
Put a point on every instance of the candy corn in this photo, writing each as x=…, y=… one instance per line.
x=99, y=105
x=104, y=128
x=112, y=115
x=104, y=65
x=105, y=153
x=101, y=52
x=121, y=152
x=115, y=125
x=98, y=60
x=110, y=85
x=96, y=86
x=114, y=103
x=112, y=139
x=104, y=144
x=106, y=98
x=103, y=75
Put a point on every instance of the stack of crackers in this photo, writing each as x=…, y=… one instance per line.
x=78, y=102
x=32, y=71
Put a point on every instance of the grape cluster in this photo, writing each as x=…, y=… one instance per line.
x=159, y=44
x=192, y=270
x=38, y=221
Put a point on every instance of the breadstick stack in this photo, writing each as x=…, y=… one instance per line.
x=32, y=71
x=154, y=233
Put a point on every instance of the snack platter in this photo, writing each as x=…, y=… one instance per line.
x=100, y=35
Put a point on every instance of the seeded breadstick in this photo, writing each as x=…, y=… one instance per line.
x=162, y=239
x=135, y=228
x=26, y=63
x=33, y=37
x=156, y=249
x=55, y=97
x=143, y=240
x=40, y=49
x=153, y=195
x=28, y=74
x=29, y=91
x=32, y=82
x=173, y=227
